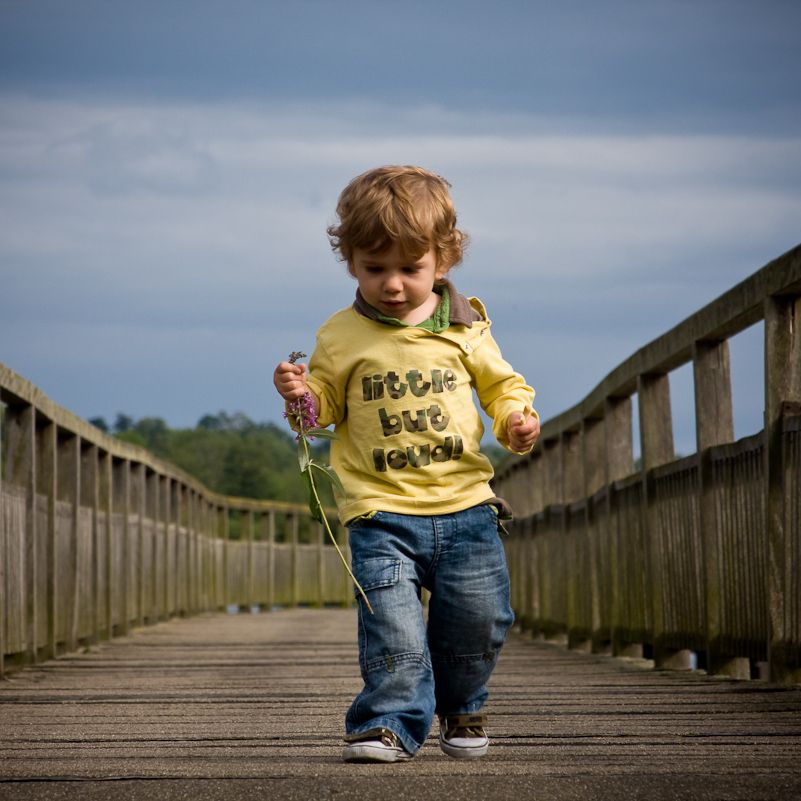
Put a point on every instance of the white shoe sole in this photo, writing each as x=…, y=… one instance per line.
x=464, y=751
x=374, y=752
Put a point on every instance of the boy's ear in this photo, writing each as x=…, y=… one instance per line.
x=441, y=271
x=351, y=270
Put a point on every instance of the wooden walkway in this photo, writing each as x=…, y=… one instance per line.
x=251, y=707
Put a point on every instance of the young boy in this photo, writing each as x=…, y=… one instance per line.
x=395, y=374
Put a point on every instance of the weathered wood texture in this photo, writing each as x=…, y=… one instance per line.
x=99, y=536
x=697, y=558
x=252, y=706
x=701, y=555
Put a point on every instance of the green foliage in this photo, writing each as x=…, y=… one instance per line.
x=134, y=437
x=100, y=422
x=231, y=455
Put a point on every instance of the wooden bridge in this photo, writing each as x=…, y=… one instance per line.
x=687, y=563
x=217, y=707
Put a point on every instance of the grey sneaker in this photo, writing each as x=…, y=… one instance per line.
x=374, y=745
x=463, y=735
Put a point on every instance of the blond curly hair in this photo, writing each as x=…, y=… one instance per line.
x=405, y=206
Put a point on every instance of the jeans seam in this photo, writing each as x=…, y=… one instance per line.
x=432, y=568
x=487, y=656
x=390, y=661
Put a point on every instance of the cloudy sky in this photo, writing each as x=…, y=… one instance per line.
x=169, y=168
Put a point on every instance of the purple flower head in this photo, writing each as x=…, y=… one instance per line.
x=300, y=413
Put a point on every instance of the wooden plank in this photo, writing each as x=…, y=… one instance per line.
x=259, y=701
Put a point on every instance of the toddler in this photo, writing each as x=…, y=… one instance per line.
x=395, y=374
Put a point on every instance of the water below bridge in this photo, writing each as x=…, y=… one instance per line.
x=251, y=706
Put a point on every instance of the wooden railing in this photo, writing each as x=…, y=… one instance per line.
x=99, y=536
x=695, y=558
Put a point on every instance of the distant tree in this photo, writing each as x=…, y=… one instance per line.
x=123, y=423
x=133, y=437
x=155, y=433
x=230, y=454
x=100, y=422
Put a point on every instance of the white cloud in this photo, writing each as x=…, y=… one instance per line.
x=202, y=227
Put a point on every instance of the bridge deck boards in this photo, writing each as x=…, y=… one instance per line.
x=251, y=706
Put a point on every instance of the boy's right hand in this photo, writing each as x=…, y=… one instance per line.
x=290, y=380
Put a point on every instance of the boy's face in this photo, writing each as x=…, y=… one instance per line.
x=398, y=287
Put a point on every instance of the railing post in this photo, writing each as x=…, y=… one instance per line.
x=179, y=550
x=206, y=566
x=69, y=491
x=223, y=527
x=105, y=566
x=90, y=499
x=575, y=539
x=170, y=539
x=249, y=525
x=152, y=505
x=122, y=505
x=527, y=490
x=165, y=516
x=268, y=538
x=656, y=440
x=20, y=470
x=593, y=440
x=189, y=505
x=46, y=480
x=292, y=526
x=782, y=386
x=320, y=532
x=619, y=451
x=552, y=588
x=139, y=486
x=209, y=556
x=197, y=560
x=714, y=425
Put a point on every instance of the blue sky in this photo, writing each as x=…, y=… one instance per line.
x=169, y=168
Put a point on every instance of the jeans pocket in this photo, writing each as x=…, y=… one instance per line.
x=361, y=520
x=497, y=519
x=376, y=573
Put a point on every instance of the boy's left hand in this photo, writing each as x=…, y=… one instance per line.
x=523, y=431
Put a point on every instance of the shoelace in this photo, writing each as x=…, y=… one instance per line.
x=390, y=739
x=468, y=726
x=470, y=732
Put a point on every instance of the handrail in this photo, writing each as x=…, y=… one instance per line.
x=733, y=312
x=16, y=390
x=698, y=565
x=700, y=555
x=98, y=535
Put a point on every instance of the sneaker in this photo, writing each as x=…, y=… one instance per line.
x=374, y=745
x=463, y=735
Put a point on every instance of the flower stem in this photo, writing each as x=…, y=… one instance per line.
x=322, y=513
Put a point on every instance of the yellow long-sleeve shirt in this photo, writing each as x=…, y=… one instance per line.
x=401, y=401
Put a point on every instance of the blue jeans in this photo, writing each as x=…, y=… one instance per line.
x=412, y=672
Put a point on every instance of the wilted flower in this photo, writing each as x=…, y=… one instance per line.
x=302, y=417
x=301, y=414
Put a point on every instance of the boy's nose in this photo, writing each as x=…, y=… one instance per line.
x=393, y=283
